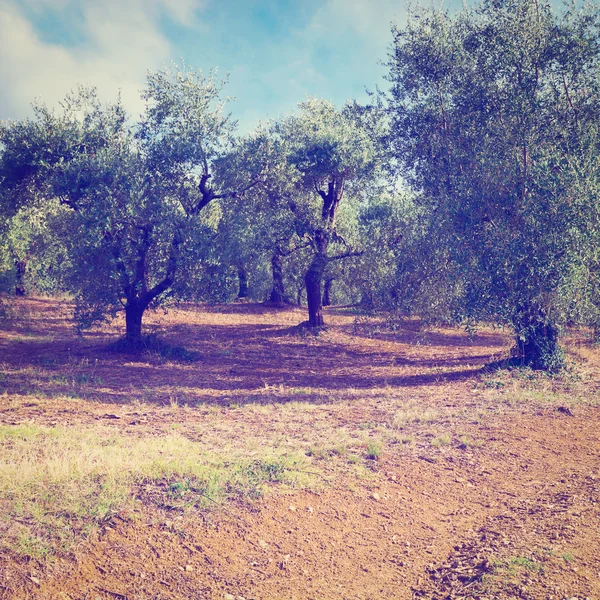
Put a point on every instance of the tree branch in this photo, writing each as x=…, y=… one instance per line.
x=346, y=255
x=167, y=282
x=116, y=252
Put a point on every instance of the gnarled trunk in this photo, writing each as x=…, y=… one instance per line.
x=134, y=311
x=277, y=295
x=313, y=281
x=20, y=268
x=243, y=283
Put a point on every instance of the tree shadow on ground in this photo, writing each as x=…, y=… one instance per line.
x=239, y=362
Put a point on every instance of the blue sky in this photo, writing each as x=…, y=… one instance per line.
x=276, y=52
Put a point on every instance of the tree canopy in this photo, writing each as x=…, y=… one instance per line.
x=133, y=192
x=467, y=192
x=494, y=122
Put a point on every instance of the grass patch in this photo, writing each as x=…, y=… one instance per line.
x=442, y=440
x=58, y=483
x=514, y=564
x=374, y=450
x=466, y=442
x=407, y=416
x=568, y=557
x=323, y=452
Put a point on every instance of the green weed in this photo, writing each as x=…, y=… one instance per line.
x=56, y=483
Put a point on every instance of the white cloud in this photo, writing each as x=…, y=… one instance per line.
x=370, y=20
x=122, y=40
x=182, y=11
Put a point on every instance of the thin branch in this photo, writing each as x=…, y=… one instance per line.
x=167, y=282
x=569, y=99
x=294, y=249
x=346, y=255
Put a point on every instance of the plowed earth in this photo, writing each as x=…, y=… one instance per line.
x=487, y=484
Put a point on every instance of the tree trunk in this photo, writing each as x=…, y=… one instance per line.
x=20, y=268
x=313, y=281
x=243, y=281
x=537, y=340
x=299, y=296
x=327, y=292
x=278, y=292
x=134, y=311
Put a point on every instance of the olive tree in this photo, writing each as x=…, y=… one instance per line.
x=137, y=194
x=491, y=110
x=333, y=158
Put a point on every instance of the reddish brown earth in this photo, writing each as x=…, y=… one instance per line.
x=496, y=494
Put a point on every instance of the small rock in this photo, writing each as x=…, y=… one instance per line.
x=292, y=508
x=262, y=544
x=189, y=568
x=375, y=496
x=228, y=597
x=309, y=509
x=35, y=580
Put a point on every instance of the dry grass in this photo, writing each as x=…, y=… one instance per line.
x=57, y=483
x=87, y=432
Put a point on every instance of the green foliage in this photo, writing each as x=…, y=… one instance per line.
x=374, y=450
x=494, y=123
x=132, y=194
x=33, y=256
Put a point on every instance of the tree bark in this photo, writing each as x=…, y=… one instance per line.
x=327, y=291
x=20, y=267
x=243, y=282
x=278, y=291
x=313, y=281
x=134, y=311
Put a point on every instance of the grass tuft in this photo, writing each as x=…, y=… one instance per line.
x=58, y=483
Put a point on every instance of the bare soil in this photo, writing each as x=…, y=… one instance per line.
x=485, y=484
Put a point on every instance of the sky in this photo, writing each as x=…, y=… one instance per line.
x=275, y=52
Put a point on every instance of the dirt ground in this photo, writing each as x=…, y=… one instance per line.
x=484, y=485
